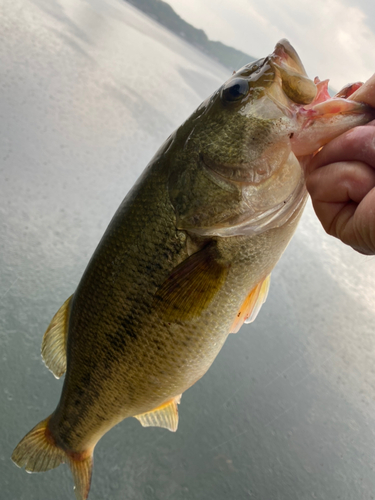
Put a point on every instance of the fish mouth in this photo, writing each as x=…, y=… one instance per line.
x=294, y=80
x=286, y=56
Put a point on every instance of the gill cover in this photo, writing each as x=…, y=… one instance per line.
x=237, y=174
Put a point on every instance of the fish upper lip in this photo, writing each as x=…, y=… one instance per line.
x=287, y=56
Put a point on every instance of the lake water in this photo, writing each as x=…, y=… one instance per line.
x=89, y=90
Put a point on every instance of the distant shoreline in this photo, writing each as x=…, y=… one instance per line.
x=164, y=14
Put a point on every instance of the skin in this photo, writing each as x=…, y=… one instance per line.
x=341, y=182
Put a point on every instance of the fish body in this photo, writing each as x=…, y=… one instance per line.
x=185, y=260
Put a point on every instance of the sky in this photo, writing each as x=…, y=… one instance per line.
x=335, y=39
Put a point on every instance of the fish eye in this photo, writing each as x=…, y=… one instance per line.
x=235, y=90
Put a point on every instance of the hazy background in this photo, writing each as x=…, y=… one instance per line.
x=88, y=92
x=335, y=37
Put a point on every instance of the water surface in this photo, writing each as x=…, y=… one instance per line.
x=89, y=90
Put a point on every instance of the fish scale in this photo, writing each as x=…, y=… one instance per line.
x=185, y=260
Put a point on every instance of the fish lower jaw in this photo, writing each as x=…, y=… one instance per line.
x=325, y=121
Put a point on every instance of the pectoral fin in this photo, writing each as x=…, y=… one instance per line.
x=54, y=341
x=191, y=286
x=252, y=304
x=165, y=416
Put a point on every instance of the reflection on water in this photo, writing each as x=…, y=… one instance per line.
x=89, y=92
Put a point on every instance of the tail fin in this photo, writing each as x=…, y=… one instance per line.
x=37, y=452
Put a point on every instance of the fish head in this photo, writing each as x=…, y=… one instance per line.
x=248, y=137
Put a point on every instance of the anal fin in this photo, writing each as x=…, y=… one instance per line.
x=54, y=341
x=251, y=305
x=165, y=416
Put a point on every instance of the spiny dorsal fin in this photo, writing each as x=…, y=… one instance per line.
x=252, y=304
x=165, y=416
x=191, y=286
x=54, y=341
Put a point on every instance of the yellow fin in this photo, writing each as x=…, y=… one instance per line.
x=262, y=297
x=252, y=304
x=191, y=286
x=54, y=341
x=81, y=469
x=37, y=452
x=165, y=416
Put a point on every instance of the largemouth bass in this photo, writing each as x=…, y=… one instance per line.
x=186, y=259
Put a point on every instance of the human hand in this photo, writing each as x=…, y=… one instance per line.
x=341, y=182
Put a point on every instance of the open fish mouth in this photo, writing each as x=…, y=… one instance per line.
x=309, y=102
x=294, y=80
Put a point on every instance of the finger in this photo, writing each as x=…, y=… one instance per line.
x=341, y=182
x=366, y=93
x=339, y=188
x=359, y=231
x=358, y=144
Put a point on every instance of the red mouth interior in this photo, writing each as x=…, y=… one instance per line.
x=322, y=94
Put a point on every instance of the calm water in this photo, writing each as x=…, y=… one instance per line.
x=89, y=90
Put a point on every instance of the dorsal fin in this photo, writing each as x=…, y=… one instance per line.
x=54, y=341
x=251, y=305
x=165, y=416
